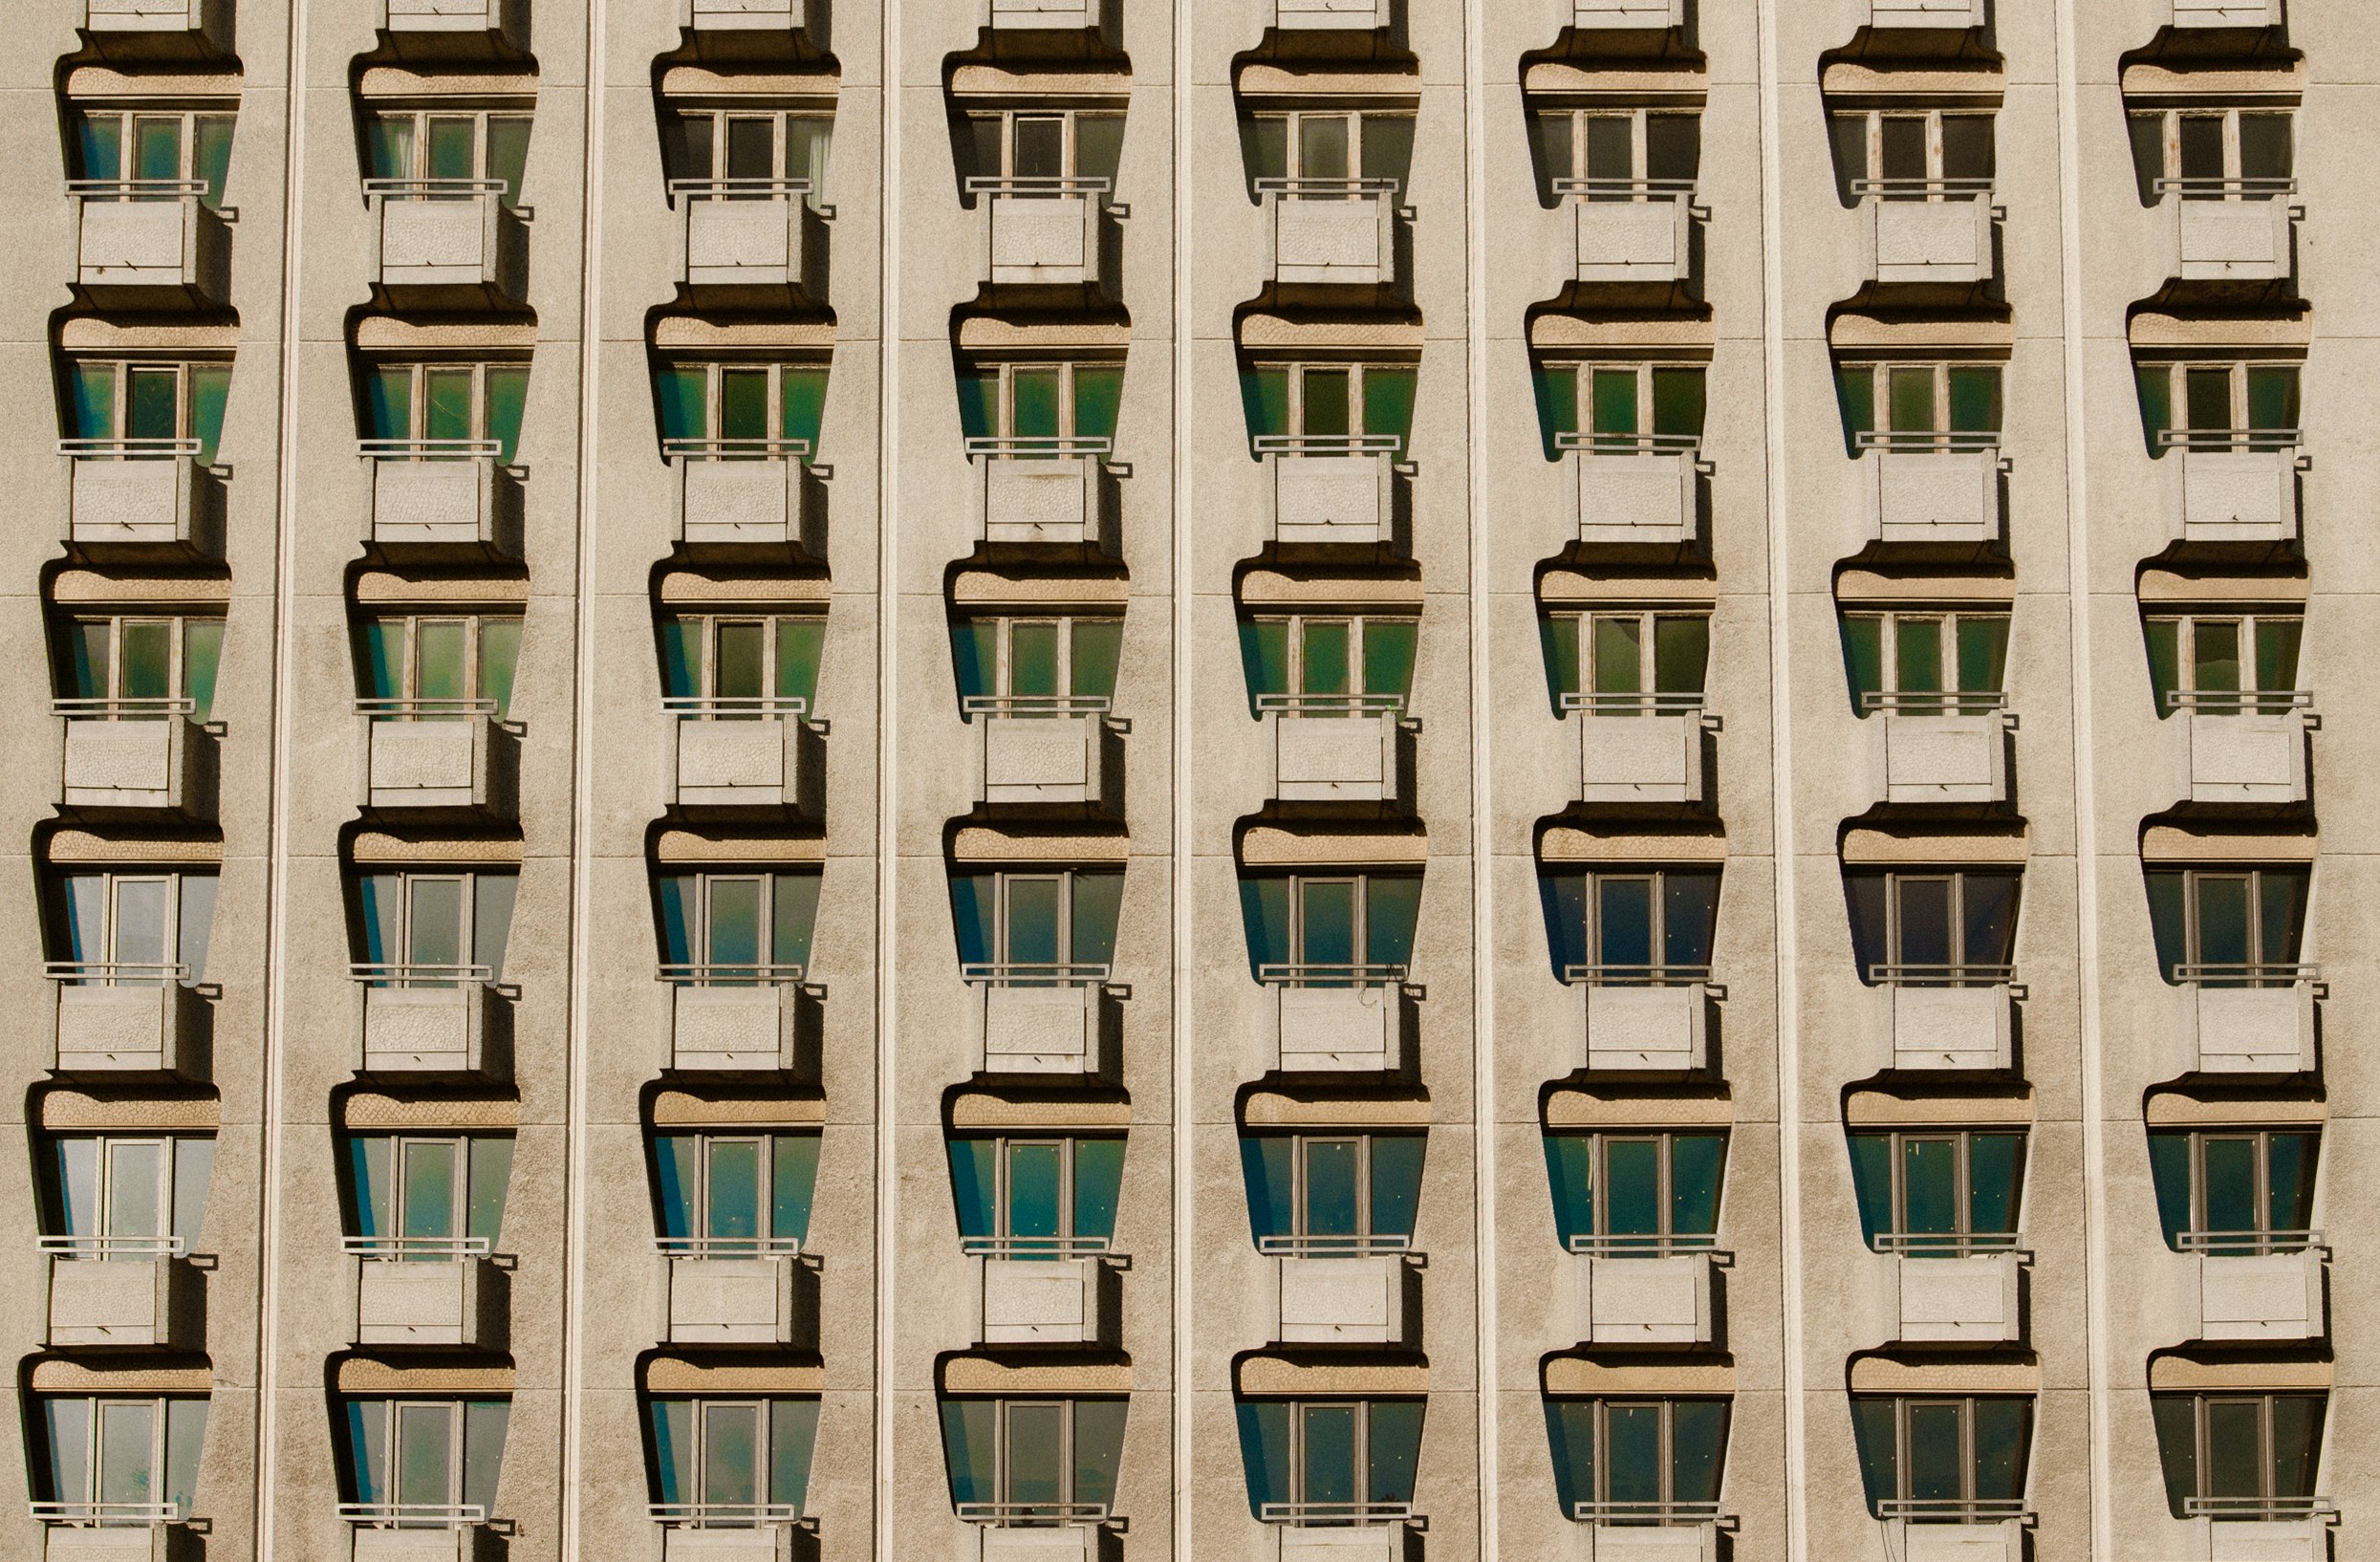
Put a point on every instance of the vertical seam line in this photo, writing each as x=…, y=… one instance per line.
x=1184, y=1085
x=888, y=643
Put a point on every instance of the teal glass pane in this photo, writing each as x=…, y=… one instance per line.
x=2281, y=894
x=1856, y=394
x=1612, y=397
x=1333, y=1190
x=2164, y=637
x=1265, y=400
x=448, y=145
x=2178, y=1447
x=370, y=1188
x=802, y=405
x=792, y=1184
x=157, y=147
x=792, y=1441
x=1327, y=1471
x=1098, y=398
x=678, y=893
x=1974, y=400
x=677, y=1180
x=499, y=654
x=2234, y=1463
x=127, y=1435
x=1698, y=1449
x=1556, y=386
x=2001, y=1428
x=99, y=146
x=1996, y=1180
x=1265, y=658
x=1395, y=1450
x=1571, y=1434
x=92, y=408
x=1264, y=915
x=446, y=404
x=2154, y=385
x=681, y=394
x=2277, y=641
x=1697, y=1161
x=1624, y=923
x=793, y=917
x=979, y=404
x=2169, y=1170
x=975, y=1186
x=1871, y=1183
x=1098, y=901
x=1036, y=1202
x=491, y=920
x=1034, y=659
x=441, y=658
x=1929, y=1169
x=1098, y=1184
x=185, y=1437
x=154, y=409
x=367, y=1450
x=1937, y=1469
x=1265, y=1444
x=484, y=1425
x=800, y=644
x=1571, y=1170
x=1983, y=653
x=210, y=387
x=2224, y=920
x=1631, y=1187
x=1634, y=1459
x=1863, y=656
x=1918, y=656
x=210, y=158
x=1389, y=647
x=1557, y=640
x=972, y=896
x=426, y=1190
x=731, y=1189
x=422, y=1454
x=1563, y=897
x=1689, y=913
x=2230, y=1170
x=146, y=661
x=388, y=146
x=1396, y=1182
x=1036, y=1468
x=1388, y=404
x=1325, y=922
x=2296, y=1443
x=1677, y=405
x=508, y=397
x=975, y=656
x=744, y=405
x=491, y=1176
x=1326, y=403
x=1098, y=1449
x=1324, y=667
x=1908, y=399
x=1098, y=648
x=388, y=403
x=2289, y=1199
x=1393, y=909
x=1268, y=1165
x=2272, y=396
x=732, y=937
x=671, y=1424
x=507, y=153
x=1681, y=652
x=66, y=1427
x=1033, y=404
x=731, y=1452
x=2165, y=919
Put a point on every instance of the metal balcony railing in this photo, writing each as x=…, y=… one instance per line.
x=2259, y=1507
x=1326, y=189
x=1927, y=442
x=117, y=973
x=734, y=973
x=1942, y=974
x=107, y=1247
x=416, y=974
x=2226, y=189
x=1331, y=975
x=734, y=708
x=1040, y=447
x=1332, y=704
x=1334, y=1515
x=1317, y=1245
x=1327, y=444
x=413, y=1515
x=1945, y=1243
x=1598, y=442
x=136, y=189
x=1647, y=1245
x=2249, y=1244
x=1035, y=1248
x=1631, y=974
x=1923, y=190
x=127, y=449
x=1046, y=187
x=2238, y=701
x=431, y=189
x=2230, y=438
x=108, y=1515
x=124, y=707
x=414, y=1249
x=1953, y=1510
x=1033, y=1515
x=1052, y=705
x=737, y=189
x=1934, y=702
x=1036, y=973
x=2242, y=973
x=728, y=1246
x=427, y=449
x=1638, y=704
x=424, y=708
x=1626, y=189
x=727, y=1515
x=1650, y=1513
x=758, y=447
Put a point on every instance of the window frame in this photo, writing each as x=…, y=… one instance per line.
x=2250, y=623
x=182, y=1183
x=413, y=974
x=1648, y=698
x=191, y=438
x=710, y=182
x=388, y=1478
x=1008, y=183
x=117, y=705
x=415, y=184
x=1003, y=1241
x=713, y=706
x=1968, y=1508
x=1300, y=1511
x=1935, y=186
x=480, y=443
x=189, y=967
x=2231, y=185
x=1647, y=437
x=1668, y=1510
x=2269, y=1504
x=1008, y=445
x=708, y=445
x=416, y=706
x=1293, y=182
x=766, y=1241
x=1577, y=184
x=699, y=929
x=1948, y=698
x=2194, y=970
x=1000, y=701
x=1963, y=1240
x=1668, y=1242
x=1356, y=701
x=1003, y=971
x=190, y=179
x=86, y=1509
x=1961, y=972
x=2241, y=434
x=1658, y=973
x=1943, y=439
x=1004, y=1511
x=2264, y=1239
x=395, y=1245
x=1353, y=443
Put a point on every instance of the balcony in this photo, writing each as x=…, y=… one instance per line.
x=1950, y=1292
x=1341, y=1290
x=1961, y=1532
x=2201, y=13
x=2232, y=229
x=1932, y=488
x=1632, y=231
x=1646, y=1019
x=742, y=1290
x=1644, y=1291
x=1628, y=15
x=444, y=494
x=2230, y=492
x=2264, y=1288
x=1942, y=748
x=1333, y=490
x=448, y=240
x=1652, y=1531
x=1054, y=1291
x=201, y=19
x=1043, y=490
x=1047, y=232
x=747, y=1018
x=1055, y=749
x=742, y=1532
x=1050, y=1532
x=1639, y=748
x=122, y=1290
x=2247, y=748
x=2255, y=1530
x=428, y=1290
x=419, y=1532
x=1958, y=1019
x=137, y=756
x=748, y=238
x=431, y=1019
x=1339, y=749
x=1042, y=1019
x=141, y=495
x=1332, y=233
x=759, y=752
x=2248, y=1019
x=1637, y=489
x=508, y=19
x=125, y=1018
x=440, y=754
x=116, y=1533
x=1341, y=1019
x=1915, y=242
x=745, y=493
x=1330, y=15
x=747, y=15
x=1339, y=1531
x=151, y=241
x=1926, y=15
x=1047, y=15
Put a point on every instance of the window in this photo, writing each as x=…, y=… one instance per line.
x=1921, y=663
x=423, y=929
x=721, y=1194
x=745, y=155
x=1327, y=408
x=124, y=1195
x=2235, y=1192
x=2241, y=1456
x=1935, y=407
x=2218, y=406
x=1330, y=1462
x=1637, y=1462
x=1942, y=1194
x=1950, y=927
x=437, y=153
x=421, y=1464
x=1335, y=930
x=424, y=668
x=1625, y=663
x=149, y=154
x=1054, y=927
x=1925, y=155
x=1332, y=1195
x=1309, y=664
x=1036, y=1196
x=1327, y=153
x=1054, y=667
x=1043, y=152
x=1614, y=154
x=741, y=411
x=116, y=1459
x=134, y=410
x=730, y=1463
x=2225, y=663
x=2224, y=154
x=133, y=927
x=1032, y=1461
x=736, y=929
x=1651, y=928
x=1040, y=410
x=1943, y=1460
x=720, y=666
x=1628, y=409
x=2229, y=928
x=444, y=411
x=135, y=666
x=427, y=1196
x=1636, y=1194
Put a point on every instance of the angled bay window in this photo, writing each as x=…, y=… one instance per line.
x=422, y=666
x=1332, y=1195
x=1330, y=1462
x=129, y=666
x=1921, y=663
x=2243, y=1455
x=1329, y=664
x=1619, y=409
x=1040, y=410
x=1950, y=927
x=745, y=154
x=2212, y=153
x=2230, y=926
x=144, y=408
x=1047, y=927
x=1938, y=1194
x=143, y=152
x=442, y=411
x=442, y=154
x=729, y=1462
x=723, y=1194
x=1620, y=1195
x=1649, y=927
x=131, y=927
x=1330, y=930
x=1036, y=1196
x=425, y=1198
x=433, y=928
x=1926, y=408
x=2226, y=664
x=723, y=410
x=2235, y=1193
x=1328, y=152
x=736, y=928
x=740, y=666
x=1050, y=666
x=1320, y=408
x=1032, y=1463
x=1625, y=663
x=1652, y=1461
x=115, y=1461
x=2236, y=405
x=124, y=1195
x=1911, y=154
x=1046, y=153
x=1614, y=154
x=1951, y=1459
x=420, y=1464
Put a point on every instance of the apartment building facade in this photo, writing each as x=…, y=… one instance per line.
x=1305, y=780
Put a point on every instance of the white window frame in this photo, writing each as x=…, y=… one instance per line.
x=1640, y=185
x=2231, y=185
x=113, y=970
x=1950, y=698
x=1968, y=1508
x=115, y=704
x=712, y=706
x=715, y=446
x=1871, y=183
x=2249, y=621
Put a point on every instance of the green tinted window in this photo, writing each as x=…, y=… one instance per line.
x=201, y=652
x=1098, y=394
x=498, y=653
x=1557, y=403
x=1326, y=397
x=1983, y=654
x=802, y=407
x=2156, y=384
x=975, y=653
x=92, y=407
x=210, y=158
x=1677, y=401
x=1557, y=636
x=210, y=386
x=1974, y=400
x=979, y=404
x=1265, y=658
x=508, y=398
x=1388, y=404
x=1265, y=399
x=508, y=154
x=99, y=145
x=683, y=394
x=1388, y=657
x=1099, y=646
x=1863, y=656
x=1855, y=392
x=800, y=642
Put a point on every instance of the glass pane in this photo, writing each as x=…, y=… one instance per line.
x=210, y=160
x=1983, y=654
x=1098, y=899
x=2289, y=1199
x=1867, y=896
x=1556, y=389
x=2230, y=1201
x=1326, y=403
x=1632, y=1460
x=194, y=921
x=1611, y=401
x=452, y=140
x=1631, y=1187
x=1098, y=1449
x=678, y=1181
x=1327, y=922
x=2178, y=1447
x=498, y=653
x=1036, y=1202
x=1929, y=1186
x=1034, y=659
x=1846, y=139
x=1924, y=924
x=1333, y=1190
x=2166, y=918
x=141, y=905
x=484, y=1424
x=1618, y=656
x=79, y=1187
x=210, y=386
x=970, y=1444
x=1910, y=399
x=1680, y=653
x=447, y=403
x=1966, y=146
x=1903, y=137
x=1863, y=656
x=367, y=1449
x=2000, y=1439
x=1265, y=916
x=185, y=1436
x=1265, y=1452
x=1571, y=1432
x=1034, y=403
x=735, y=906
x=2296, y=1443
x=146, y=672
x=1389, y=647
x=1265, y=399
x=1323, y=661
x=1395, y=1450
x=154, y=410
x=93, y=411
x=1995, y=1182
x=2201, y=136
x=974, y=1185
x=1036, y=1461
x=1990, y=918
x=67, y=1423
x=508, y=398
x=744, y=404
x=127, y=1441
x=1268, y=1166
x=972, y=896
x=975, y=653
x=732, y=1189
x=157, y=147
x=425, y=1190
x=87, y=659
x=2215, y=655
x=1557, y=639
x=388, y=403
x=388, y=146
x=792, y=1181
x=1327, y=1465
x=490, y=1175
x=1689, y=910
x=689, y=139
x=1099, y=646
x=2235, y=1457
x=732, y=1441
x=740, y=669
x=751, y=147
x=136, y=1174
x=1322, y=149
x=99, y=146
x=1396, y=1182
x=2264, y=152
x=1623, y=922
x=2224, y=920
x=1388, y=403
x=434, y=930
x=1918, y=655
x=2277, y=653
x=1696, y=1161
x=793, y=1438
x=1387, y=148
x=2272, y=397
x=440, y=659
x=1569, y=1170
x=1040, y=147
x=1391, y=909
x=1673, y=146
x=794, y=918
x=1937, y=1465
x=1033, y=930
x=2208, y=394
x=507, y=153
x=1698, y=1449
x=801, y=404
x=424, y=1454
x=1610, y=147
x=1856, y=391
x=979, y=404
x=1098, y=1184
x=1098, y=394
x=2282, y=910
x=1549, y=141
x=2169, y=1169
x=1265, y=146
x=1973, y=401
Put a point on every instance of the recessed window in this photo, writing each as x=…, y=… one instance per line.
x=442, y=411
x=1924, y=408
x=433, y=929
x=1046, y=153
x=2235, y=1193
x=740, y=666
x=728, y=1461
x=1912, y=154
x=420, y=1463
x=1327, y=408
x=1636, y=1194
x=131, y=927
x=2218, y=154
x=745, y=154
x=1040, y=410
x=1032, y=1463
x=720, y=1193
x=1060, y=665
x=1330, y=1462
x=1652, y=927
x=1329, y=664
x=2229, y=928
x=108, y=1459
x=2234, y=405
x=1037, y=928
x=1625, y=663
x=426, y=1197
x=138, y=666
x=1331, y=929
x=1638, y=1462
x=1926, y=664
x=438, y=666
x=443, y=155
x=148, y=153
x=1938, y=1194
x=1614, y=154
x=1332, y=1195
x=721, y=411
x=1949, y=1460
x=2241, y=1456
x=1606, y=409
x=1328, y=152
x=144, y=409
x=1036, y=1196
x=124, y=1195
x=1949, y=928
x=736, y=928
x=2225, y=663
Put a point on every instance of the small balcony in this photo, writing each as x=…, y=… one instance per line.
x=1637, y=489
x=448, y=496
x=2232, y=229
x=508, y=19
x=1644, y=1291
x=1341, y=1019
x=1330, y=15
x=2246, y=748
x=2248, y=1019
x=137, y=756
x=748, y=238
x=151, y=241
x=1044, y=490
x=141, y=497
x=1953, y=1018
x=201, y=19
x=1047, y=15
x=2231, y=13
x=1933, y=489
x=1043, y=1019
x=1047, y=232
x=1956, y=1291
x=1342, y=1290
x=2263, y=1286
x=1332, y=491
x=2262, y=1530
x=730, y=1531
x=1332, y=233
x=1646, y=1019
x=1919, y=1530
x=739, y=1291
x=1053, y=1291
x=739, y=1018
x=2229, y=490
x=428, y=1290
x=757, y=752
x=1057, y=749
x=1639, y=748
x=1628, y=15
x=431, y=1019
x=1339, y=749
x=747, y=493
x=116, y=1533
x=1632, y=231
x=1652, y=1531
x=448, y=240
x=126, y=1019
x=122, y=1290
x=1926, y=15
x=1937, y=232
x=421, y=1532
x=747, y=15
x=1340, y=1531
x=1048, y=1533
x=1942, y=748
x=440, y=754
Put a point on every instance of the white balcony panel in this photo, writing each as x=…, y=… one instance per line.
x=1044, y=240
x=1932, y=241
x=1994, y=1541
x=1333, y=498
x=2227, y=12
x=128, y=1028
x=1054, y=501
x=1635, y=241
x=1650, y=1543
x=151, y=16
x=732, y=1028
x=1051, y=1030
x=428, y=1302
x=1364, y=1543
x=1640, y=759
x=2246, y=758
x=452, y=242
x=1349, y=758
x=435, y=502
x=424, y=1030
x=461, y=1544
x=739, y=764
x=1628, y=15
x=744, y=243
x=174, y=243
x=1057, y=1543
x=112, y=1301
x=1645, y=1301
x=134, y=503
x=1926, y=13
x=1966, y=1300
x=1337, y=242
x=1648, y=1030
x=748, y=15
x=1040, y=1301
x=1342, y=1301
x=133, y=1543
x=1329, y=15
x=1944, y=759
x=1949, y=1027
x=440, y=764
x=2272, y=1297
x=1341, y=1030
x=1042, y=759
x=2232, y=241
x=771, y=1543
x=2237, y=495
x=730, y=1301
x=731, y=502
x=1934, y=496
x=1647, y=498
x=136, y=764
x=448, y=15
x=2265, y=1540
x=2250, y=1029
